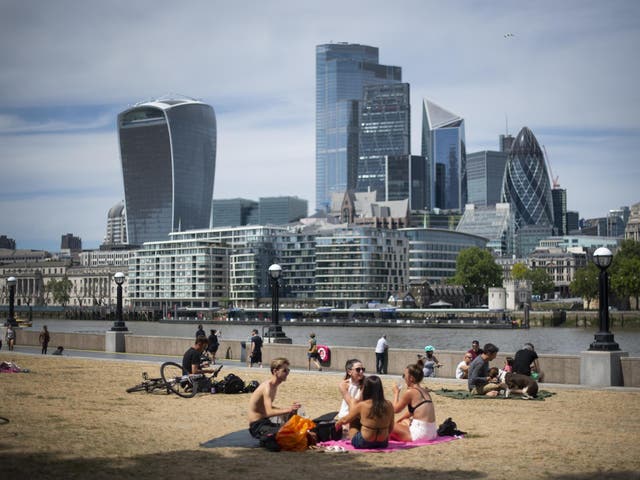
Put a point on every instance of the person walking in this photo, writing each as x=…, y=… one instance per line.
x=44, y=339
x=10, y=336
x=200, y=332
x=312, y=352
x=381, y=351
x=255, y=354
x=213, y=346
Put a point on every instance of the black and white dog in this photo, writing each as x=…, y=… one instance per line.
x=518, y=382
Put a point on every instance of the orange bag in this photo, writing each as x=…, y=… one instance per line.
x=292, y=436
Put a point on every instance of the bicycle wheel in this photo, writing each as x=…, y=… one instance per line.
x=177, y=382
x=141, y=387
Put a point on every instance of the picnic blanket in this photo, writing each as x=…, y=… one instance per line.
x=465, y=395
x=240, y=438
x=345, y=445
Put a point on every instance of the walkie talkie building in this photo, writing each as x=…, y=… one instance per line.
x=526, y=183
x=168, y=153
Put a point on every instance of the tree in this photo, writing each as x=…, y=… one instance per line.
x=585, y=283
x=476, y=271
x=541, y=281
x=519, y=271
x=625, y=279
x=60, y=290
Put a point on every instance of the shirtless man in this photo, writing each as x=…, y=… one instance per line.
x=261, y=407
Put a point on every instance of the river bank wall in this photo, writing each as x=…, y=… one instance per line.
x=563, y=369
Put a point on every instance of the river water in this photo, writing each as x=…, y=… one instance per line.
x=569, y=341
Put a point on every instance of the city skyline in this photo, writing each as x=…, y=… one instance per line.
x=566, y=73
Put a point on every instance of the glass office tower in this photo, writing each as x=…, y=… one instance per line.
x=526, y=182
x=485, y=172
x=384, y=130
x=559, y=197
x=443, y=143
x=342, y=71
x=168, y=154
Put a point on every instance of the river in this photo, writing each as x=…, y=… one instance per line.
x=569, y=341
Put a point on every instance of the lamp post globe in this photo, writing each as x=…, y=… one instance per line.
x=604, y=340
x=275, y=270
x=11, y=283
x=118, y=324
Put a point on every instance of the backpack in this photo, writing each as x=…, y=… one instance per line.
x=251, y=386
x=233, y=384
x=448, y=428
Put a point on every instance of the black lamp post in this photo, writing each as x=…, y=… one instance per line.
x=604, y=341
x=11, y=283
x=118, y=324
x=274, y=279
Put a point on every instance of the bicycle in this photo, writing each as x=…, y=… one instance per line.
x=184, y=384
x=149, y=385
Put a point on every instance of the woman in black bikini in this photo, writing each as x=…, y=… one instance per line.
x=419, y=421
x=375, y=414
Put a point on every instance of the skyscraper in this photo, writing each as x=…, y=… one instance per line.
x=443, y=143
x=526, y=182
x=559, y=197
x=168, y=153
x=342, y=71
x=384, y=130
x=485, y=172
x=116, y=226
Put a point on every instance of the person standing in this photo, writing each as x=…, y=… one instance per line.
x=10, y=336
x=381, y=351
x=526, y=362
x=214, y=344
x=255, y=354
x=44, y=339
x=312, y=352
x=479, y=380
x=200, y=332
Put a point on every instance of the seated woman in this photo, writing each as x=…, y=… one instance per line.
x=419, y=421
x=375, y=414
x=351, y=391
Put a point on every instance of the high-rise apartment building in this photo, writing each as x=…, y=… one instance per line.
x=485, y=172
x=443, y=143
x=559, y=197
x=168, y=153
x=342, y=71
x=526, y=182
x=384, y=130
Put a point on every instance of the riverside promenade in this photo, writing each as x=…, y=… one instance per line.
x=70, y=418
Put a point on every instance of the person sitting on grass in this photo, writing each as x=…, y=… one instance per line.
x=261, y=407
x=192, y=358
x=419, y=421
x=375, y=414
x=479, y=380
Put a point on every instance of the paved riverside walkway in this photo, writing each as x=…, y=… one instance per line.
x=160, y=359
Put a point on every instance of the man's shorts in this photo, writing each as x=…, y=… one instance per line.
x=486, y=388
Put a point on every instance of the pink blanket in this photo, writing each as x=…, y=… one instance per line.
x=393, y=445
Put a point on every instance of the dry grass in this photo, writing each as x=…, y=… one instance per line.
x=71, y=418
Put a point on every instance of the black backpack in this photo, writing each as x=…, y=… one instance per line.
x=448, y=428
x=233, y=384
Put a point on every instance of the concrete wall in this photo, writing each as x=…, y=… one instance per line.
x=564, y=369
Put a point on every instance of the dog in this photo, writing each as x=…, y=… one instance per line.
x=516, y=381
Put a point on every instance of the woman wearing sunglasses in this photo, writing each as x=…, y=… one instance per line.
x=351, y=390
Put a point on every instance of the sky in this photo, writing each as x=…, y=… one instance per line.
x=569, y=71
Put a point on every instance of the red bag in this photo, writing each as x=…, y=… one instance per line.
x=292, y=436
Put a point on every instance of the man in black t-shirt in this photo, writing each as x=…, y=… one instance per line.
x=191, y=358
x=255, y=354
x=524, y=359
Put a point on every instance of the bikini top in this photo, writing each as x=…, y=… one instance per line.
x=424, y=400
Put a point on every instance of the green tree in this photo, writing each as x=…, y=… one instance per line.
x=625, y=278
x=585, y=283
x=541, y=281
x=60, y=290
x=476, y=271
x=519, y=271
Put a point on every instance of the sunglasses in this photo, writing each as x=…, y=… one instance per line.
x=286, y=370
x=359, y=369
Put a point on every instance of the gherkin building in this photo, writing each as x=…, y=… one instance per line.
x=526, y=183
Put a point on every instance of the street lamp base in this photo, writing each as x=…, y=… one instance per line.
x=119, y=326
x=604, y=342
x=275, y=335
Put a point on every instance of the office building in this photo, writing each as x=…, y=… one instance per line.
x=506, y=141
x=443, y=143
x=526, y=182
x=528, y=237
x=495, y=223
x=236, y=212
x=573, y=222
x=632, y=230
x=617, y=221
x=342, y=71
x=384, y=130
x=70, y=242
x=168, y=153
x=559, y=198
x=281, y=210
x=233, y=212
x=8, y=243
x=116, y=226
x=485, y=173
